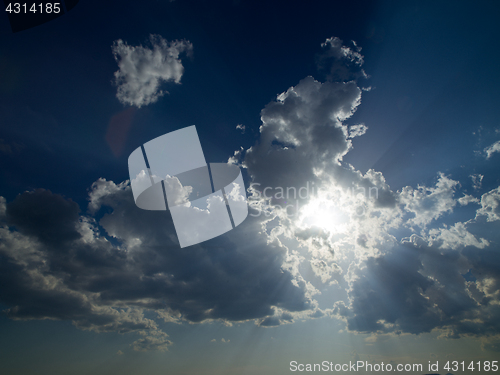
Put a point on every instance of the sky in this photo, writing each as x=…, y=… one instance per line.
x=368, y=138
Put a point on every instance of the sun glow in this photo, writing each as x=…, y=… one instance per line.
x=325, y=214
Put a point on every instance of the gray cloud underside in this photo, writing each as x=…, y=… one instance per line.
x=56, y=264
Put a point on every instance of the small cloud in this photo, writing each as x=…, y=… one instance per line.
x=342, y=63
x=241, y=127
x=357, y=130
x=156, y=340
x=490, y=150
x=477, y=181
x=466, y=199
x=222, y=340
x=119, y=352
x=236, y=158
x=143, y=69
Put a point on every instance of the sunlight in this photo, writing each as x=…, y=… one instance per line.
x=325, y=214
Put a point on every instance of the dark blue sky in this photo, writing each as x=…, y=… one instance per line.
x=432, y=67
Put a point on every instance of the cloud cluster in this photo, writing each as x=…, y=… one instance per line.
x=344, y=237
x=390, y=260
x=422, y=285
x=142, y=70
x=57, y=263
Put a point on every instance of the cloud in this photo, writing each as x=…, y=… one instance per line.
x=342, y=63
x=416, y=289
x=303, y=138
x=46, y=216
x=438, y=281
x=241, y=127
x=490, y=150
x=357, y=130
x=223, y=340
x=429, y=203
x=346, y=237
x=466, y=199
x=142, y=70
x=477, y=180
x=455, y=237
x=59, y=263
x=158, y=341
x=302, y=131
x=395, y=261
x=490, y=205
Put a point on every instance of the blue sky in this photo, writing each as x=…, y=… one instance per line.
x=351, y=96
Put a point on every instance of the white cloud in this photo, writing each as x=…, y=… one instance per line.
x=477, y=180
x=429, y=203
x=466, y=199
x=302, y=134
x=490, y=150
x=455, y=237
x=142, y=69
x=357, y=130
x=490, y=205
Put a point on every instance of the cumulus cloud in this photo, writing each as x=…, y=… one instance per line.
x=142, y=70
x=344, y=236
x=302, y=131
